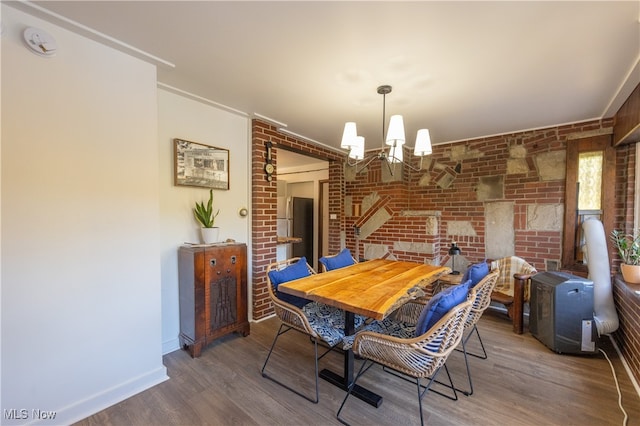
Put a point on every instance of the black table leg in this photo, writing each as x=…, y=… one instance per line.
x=343, y=382
x=358, y=391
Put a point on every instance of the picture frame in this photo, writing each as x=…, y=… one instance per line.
x=200, y=165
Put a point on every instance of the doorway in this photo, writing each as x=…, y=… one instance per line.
x=299, y=179
x=323, y=214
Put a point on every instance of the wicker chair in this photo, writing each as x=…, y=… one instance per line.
x=338, y=260
x=512, y=288
x=482, y=300
x=416, y=357
x=320, y=322
x=407, y=315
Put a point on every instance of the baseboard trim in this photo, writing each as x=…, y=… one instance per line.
x=98, y=402
x=170, y=346
x=263, y=318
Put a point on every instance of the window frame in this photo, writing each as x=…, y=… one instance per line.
x=574, y=148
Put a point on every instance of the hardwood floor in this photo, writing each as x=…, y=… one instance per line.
x=521, y=383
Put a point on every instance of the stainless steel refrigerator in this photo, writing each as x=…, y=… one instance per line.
x=302, y=227
x=295, y=219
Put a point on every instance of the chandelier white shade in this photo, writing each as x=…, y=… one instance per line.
x=423, y=143
x=349, y=135
x=395, y=139
x=356, y=151
x=395, y=134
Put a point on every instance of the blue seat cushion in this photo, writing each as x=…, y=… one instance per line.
x=476, y=273
x=290, y=273
x=440, y=304
x=340, y=260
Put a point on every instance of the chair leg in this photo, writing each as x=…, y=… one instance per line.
x=466, y=339
x=466, y=360
x=509, y=307
x=450, y=385
x=420, y=393
x=453, y=397
x=518, y=306
x=360, y=373
x=315, y=358
x=273, y=344
x=484, y=351
x=422, y=389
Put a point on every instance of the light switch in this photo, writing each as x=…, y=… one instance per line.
x=333, y=216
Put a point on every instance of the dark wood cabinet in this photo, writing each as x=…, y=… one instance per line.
x=626, y=124
x=213, y=293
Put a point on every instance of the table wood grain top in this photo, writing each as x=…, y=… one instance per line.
x=374, y=288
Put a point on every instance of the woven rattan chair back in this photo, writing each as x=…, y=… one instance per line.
x=484, y=290
x=304, y=321
x=420, y=357
x=287, y=313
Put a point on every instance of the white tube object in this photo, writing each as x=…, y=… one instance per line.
x=605, y=315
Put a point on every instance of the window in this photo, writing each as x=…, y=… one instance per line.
x=589, y=192
x=590, y=180
x=589, y=196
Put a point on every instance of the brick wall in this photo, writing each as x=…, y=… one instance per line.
x=264, y=204
x=450, y=183
x=471, y=161
x=466, y=163
x=627, y=337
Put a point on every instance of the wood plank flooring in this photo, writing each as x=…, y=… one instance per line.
x=521, y=383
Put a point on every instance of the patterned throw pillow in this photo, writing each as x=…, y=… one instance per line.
x=290, y=273
x=440, y=304
x=340, y=260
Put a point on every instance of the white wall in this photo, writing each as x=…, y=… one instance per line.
x=80, y=284
x=184, y=118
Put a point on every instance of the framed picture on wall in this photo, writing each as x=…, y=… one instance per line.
x=200, y=165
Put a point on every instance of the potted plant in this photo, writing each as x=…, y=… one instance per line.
x=629, y=250
x=207, y=218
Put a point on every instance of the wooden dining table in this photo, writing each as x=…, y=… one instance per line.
x=374, y=289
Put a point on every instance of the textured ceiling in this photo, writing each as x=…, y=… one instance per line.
x=461, y=69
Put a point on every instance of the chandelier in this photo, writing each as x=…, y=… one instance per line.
x=394, y=140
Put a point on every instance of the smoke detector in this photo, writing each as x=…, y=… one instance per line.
x=40, y=42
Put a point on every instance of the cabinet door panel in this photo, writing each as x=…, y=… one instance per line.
x=224, y=295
